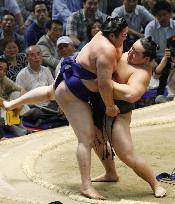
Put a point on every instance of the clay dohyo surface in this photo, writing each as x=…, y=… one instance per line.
x=42, y=167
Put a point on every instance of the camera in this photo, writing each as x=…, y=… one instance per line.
x=171, y=45
x=172, y=50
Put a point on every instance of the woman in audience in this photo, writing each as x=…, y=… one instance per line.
x=92, y=30
x=16, y=60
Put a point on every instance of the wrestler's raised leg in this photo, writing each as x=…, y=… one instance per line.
x=80, y=117
x=34, y=96
x=110, y=174
x=123, y=146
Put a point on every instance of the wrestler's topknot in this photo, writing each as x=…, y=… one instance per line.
x=150, y=47
x=113, y=25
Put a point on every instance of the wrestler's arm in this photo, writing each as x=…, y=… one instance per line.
x=134, y=89
x=105, y=64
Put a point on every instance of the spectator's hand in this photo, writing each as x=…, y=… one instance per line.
x=167, y=53
x=112, y=111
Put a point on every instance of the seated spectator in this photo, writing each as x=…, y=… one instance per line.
x=8, y=32
x=47, y=44
x=33, y=76
x=62, y=9
x=76, y=27
x=29, y=5
x=92, y=30
x=37, y=29
x=17, y=61
x=166, y=69
x=161, y=28
x=11, y=6
x=9, y=90
x=137, y=18
x=65, y=48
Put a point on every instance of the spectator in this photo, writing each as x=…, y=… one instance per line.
x=65, y=48
x=47, y=44
x=33, y=76
x=36, y=30
x=11, y=6
x=29, y=4
x=137, y=18
x=76, y=27
x=17, y=61
x=62, y=9
x=9, y=90
x=166, y=69
x=162, y=27
x=8, y=32
x=92, y=30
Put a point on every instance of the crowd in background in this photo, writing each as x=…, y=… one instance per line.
x=36, y=35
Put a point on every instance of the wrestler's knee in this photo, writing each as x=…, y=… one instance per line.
x=129, y=159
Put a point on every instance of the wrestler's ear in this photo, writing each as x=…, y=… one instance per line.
x=111, y=36
x=147, y=59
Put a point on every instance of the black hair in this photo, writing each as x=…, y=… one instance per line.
x=89, y=28
x=7, y=41
x=161, y=5
x=8, y=13
x=38, y=2
x=113, y=25
x=150, y=47
x=4, y=60
x=171, y=45
x=49, y=23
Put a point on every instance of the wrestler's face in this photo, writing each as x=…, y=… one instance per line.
x=136, y=54
x=118, y=41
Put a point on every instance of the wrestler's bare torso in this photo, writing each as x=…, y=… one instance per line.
x=122, y=69
x=98, y=48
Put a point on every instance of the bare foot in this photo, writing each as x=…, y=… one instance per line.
x=91, y=193
x=159, y=192
x=106, y=178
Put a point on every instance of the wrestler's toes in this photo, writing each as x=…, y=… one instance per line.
x=92, y=194
x=160, y=192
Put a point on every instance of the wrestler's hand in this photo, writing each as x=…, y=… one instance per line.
x=112, y=111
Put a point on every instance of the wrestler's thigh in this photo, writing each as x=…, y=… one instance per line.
x=121, y=136
x=77, y=112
